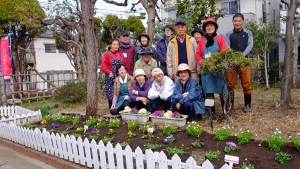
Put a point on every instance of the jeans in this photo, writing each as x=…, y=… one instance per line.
x=116, y=111
x=187, y=108
x=158, y=103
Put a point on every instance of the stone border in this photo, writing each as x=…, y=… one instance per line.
x=41, y=156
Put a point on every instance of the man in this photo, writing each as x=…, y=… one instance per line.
x=182, y=49
x=187, y=97
x=240, y=39
x=139, y=91
x=127, y=49
x=161, y=91
x=144, y=40
x=161, y=48
x=146, y=62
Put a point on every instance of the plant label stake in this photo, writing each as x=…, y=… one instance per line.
x=210, y=103
x=231, y=160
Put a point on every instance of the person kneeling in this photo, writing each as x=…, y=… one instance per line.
x=161, y=91
x=122, y=86
x=187, y=96
x=139, y=91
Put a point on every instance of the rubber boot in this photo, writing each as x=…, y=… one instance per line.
x=247, y=99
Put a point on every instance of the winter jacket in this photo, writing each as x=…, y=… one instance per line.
x=161, y=49
x=147, y=67
x=240, y=41
x=106, y=61
x=172, y=56
x=117, y=84
x=138, y=50
x=142, y=91
x=129, y=57
x=167, y=86
x=194, y=95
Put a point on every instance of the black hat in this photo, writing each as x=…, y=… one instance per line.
x=198, y=30
x=125, y=33
x=144, y=34
x=180, y=22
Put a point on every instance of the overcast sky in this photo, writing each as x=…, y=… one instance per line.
x=103, y=8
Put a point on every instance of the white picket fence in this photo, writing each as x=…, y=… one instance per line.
x=18, y=115
x=95, y=155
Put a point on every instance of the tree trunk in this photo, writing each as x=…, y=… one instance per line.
x=87, y=7
x=150, y=8
x=287, y=79
x=266, y=70
x=295, y=54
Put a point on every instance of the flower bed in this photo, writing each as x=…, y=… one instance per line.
x=179, y=140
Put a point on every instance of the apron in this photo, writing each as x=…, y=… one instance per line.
x=109, y=81
x=210, y=82
x=123, y=92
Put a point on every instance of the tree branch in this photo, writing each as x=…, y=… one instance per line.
x=62, y=22
x=71, y=41
x=134, y=4
x=117, y=3
x=159, y=20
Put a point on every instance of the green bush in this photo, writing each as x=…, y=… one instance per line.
x=72, y=92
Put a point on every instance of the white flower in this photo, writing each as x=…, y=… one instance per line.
x=298, y=134
x=235, y=135
x=142, y=111
x=259, y=145
x=277, y=129
x=85, y=128
x=248, y=131
x=256, y=135
x=279, y=132
x=150, y=130
x=290, y=137
x=168, y=114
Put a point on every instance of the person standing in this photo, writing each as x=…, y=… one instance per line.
x=108, y=66
x=127, y=49
x=161, y=48
x=182, y=49
x=144, y=40
x=197, y=33
x=240, y=39
x=209, y=44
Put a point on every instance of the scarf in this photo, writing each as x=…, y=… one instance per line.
x=125, y=44
x=125, y=79
x=210, y=39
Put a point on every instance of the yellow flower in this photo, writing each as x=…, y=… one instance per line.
x=182, y=145
x=246, y=159
x=44, y=121
x=110, y=130
x=129, y=133
x=218, y=151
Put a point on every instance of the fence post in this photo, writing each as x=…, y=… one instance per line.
x=2, y=91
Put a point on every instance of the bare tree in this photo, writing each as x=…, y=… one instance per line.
x=150, y=7
x=286, y=85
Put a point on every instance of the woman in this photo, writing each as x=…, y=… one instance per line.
x=144, y=40
x=139, y=91
x=197, y=33
x=122, y=86
x=207, y=45
x=109, y=63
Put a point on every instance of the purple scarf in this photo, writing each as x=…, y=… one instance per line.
x=125, y=44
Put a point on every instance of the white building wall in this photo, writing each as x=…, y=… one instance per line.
x=50, y=61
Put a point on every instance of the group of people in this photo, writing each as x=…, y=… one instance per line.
x=169, y=76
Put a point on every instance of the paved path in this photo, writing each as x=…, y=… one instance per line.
x=11, y=159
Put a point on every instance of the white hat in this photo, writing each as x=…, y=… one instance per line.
x=181, y=67
x=139, y=72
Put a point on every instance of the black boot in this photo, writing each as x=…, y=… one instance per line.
x=231, y=100
x=247, y=99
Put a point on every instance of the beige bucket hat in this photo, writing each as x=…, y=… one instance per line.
x=181, y=67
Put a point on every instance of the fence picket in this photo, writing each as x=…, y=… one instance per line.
x=74, y=149
x=59, y=146
x=80, y=151
x=139, y=158
x=162, y=161
x=48, y=140
x=94, y=149
x=207, y=164
x=103, y=162
x=119, y=156
x=150, y=159
x=88, y=157
x=225, y=166
x=69, y=153
x=64, y=146
x=110, y=155
x=176, y=162
x=129, y=157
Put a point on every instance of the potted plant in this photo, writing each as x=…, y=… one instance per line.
x=174, y=118
x=142, y=115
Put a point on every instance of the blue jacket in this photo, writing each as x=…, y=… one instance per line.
x=194, y=95
x=161, y=50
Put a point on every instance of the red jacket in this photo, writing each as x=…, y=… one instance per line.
x=106, y=61
x=201, y=45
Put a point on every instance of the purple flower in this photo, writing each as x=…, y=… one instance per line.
x=175, y=113
x=158, y=113
x=200, y=141
x=165, y=140
x=231, y=144
x=93, y=129
x=134, y=110
x=54, y=124
x=170, y=136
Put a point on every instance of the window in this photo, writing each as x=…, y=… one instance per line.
x=231, y=7
x=50, y=48
x=61, y=51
